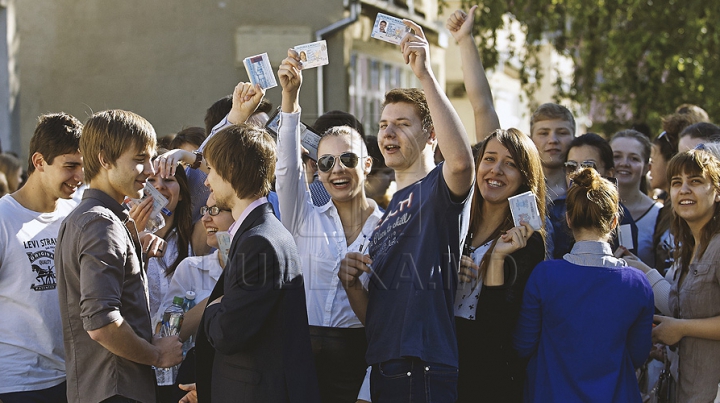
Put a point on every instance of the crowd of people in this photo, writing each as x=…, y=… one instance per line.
x=372, y=273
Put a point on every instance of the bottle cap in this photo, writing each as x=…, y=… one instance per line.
x=178, y=301
x=190, y=295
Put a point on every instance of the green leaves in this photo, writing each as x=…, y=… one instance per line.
x=635, y=60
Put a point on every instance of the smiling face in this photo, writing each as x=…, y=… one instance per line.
x=168, y=187
x=630, y=166
x=214, y=223
x=497, y=174
x=341, y=182
x=62, y=178
x=126, y=177
x=693, y=197
x=401, y=137
x=222, y=190
x=552, y=139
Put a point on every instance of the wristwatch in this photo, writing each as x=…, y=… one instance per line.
x=198, y=159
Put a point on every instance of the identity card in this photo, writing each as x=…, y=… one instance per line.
x=313, y=54
x=389, y=29
x=524, y=208
x=259, y=70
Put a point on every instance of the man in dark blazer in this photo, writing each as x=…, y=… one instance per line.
x=253, y=343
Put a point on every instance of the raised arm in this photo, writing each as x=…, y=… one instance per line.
x=291, y=184
x=246, y=98
x=460, y=25
x=459, y=168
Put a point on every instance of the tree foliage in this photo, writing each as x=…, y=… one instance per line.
x=635, y=60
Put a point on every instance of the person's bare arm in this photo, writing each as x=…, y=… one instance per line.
x=191, y=320
x=119, y=338
x=352, y=266
x=459, y=168
x=460, y=25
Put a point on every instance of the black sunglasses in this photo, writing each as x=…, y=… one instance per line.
x=213, y=210
x=327, y=161
x=572, y=166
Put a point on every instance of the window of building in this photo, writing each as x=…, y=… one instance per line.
x=370, y=79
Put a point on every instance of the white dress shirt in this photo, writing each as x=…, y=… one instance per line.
x=318, y=233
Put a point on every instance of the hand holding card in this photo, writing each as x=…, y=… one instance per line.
x=524, y=209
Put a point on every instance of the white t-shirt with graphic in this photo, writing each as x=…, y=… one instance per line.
x=32, y=356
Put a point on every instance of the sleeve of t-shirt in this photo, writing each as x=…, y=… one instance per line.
x=527, y=332
x=103, y=252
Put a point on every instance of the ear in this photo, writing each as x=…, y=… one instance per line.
x=431, y=136
x=103, y=162
x=615, y=222
x=38, y=162
x=367, y=166
x=611, y=172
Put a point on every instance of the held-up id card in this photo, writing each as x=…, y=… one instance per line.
x=308, y=138
x=625, y=236
x=259, y=70
x=389, y=29
x=224, y=240
x=159, y=201
x=524, y=208
x=313, y=54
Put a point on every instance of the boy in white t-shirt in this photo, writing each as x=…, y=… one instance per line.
x=32, y=356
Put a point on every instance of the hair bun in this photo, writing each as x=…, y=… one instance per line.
x=587, y=178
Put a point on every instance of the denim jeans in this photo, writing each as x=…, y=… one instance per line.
x=414, y=381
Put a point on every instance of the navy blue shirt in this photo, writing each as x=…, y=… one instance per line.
x=415, y=250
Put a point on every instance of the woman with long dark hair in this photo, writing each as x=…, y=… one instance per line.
x=498, y=260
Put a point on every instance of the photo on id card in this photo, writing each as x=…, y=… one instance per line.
x=389, y=29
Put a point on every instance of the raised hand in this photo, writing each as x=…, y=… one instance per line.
x=460, y=23
x=246, y=98
x=416, y=50
x=290, y=73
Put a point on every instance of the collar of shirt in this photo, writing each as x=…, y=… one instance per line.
x=234, y=227
x=593, y=253
x=118, y=209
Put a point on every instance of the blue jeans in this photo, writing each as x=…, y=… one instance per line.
x=414, y=381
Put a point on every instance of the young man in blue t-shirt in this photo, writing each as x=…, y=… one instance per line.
x=413, y=253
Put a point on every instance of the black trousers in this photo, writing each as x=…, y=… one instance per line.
x=339, y=361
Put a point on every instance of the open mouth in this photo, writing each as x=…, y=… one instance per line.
x=686, y=202
x=340, y=183
x=494, y=183
x=211, y=231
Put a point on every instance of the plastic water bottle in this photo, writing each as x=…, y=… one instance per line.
x=171, y=321
x=188, y=304
x=157, y=222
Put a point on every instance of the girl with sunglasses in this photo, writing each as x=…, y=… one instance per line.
x=325, y=234
x=498, y=260
x=586, y=319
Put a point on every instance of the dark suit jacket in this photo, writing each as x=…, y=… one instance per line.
x=254, y=346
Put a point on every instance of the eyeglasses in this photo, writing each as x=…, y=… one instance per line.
x=327, y=161
x=212, y=210
x=572, y=166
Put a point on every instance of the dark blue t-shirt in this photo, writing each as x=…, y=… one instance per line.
x=415, y=250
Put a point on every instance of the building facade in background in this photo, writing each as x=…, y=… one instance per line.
x=169, y=61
